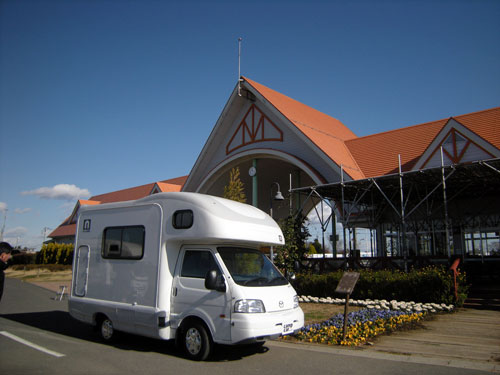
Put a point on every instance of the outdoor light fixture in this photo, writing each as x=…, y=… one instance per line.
x=278, y=196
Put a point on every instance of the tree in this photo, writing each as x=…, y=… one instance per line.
x=235, y=189
x=296, y=234
x=317, y=246
x=55, y=254
x=312, y=249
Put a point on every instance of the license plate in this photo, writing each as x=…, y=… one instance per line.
x=287, y=328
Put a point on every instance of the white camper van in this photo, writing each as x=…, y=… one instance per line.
x=181, y=266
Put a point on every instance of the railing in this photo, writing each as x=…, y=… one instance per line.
x=476, y=266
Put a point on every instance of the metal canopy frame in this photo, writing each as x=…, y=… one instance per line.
x=405, y=200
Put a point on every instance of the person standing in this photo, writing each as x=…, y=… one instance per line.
x=5, y=255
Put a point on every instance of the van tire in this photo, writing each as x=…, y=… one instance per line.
x=258, y=344
x=106, y=329
x=196, y=341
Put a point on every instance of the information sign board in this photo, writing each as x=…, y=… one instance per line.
x=347, y=282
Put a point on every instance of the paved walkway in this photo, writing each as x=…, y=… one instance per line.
x=468, y=336
x=55, y=285
x=468, y=339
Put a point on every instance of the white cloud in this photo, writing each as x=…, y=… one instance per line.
x=20, y=236
x=61, y=191
x=21, y=211
x=16, y=232
x=3, y=206
x=314, y=219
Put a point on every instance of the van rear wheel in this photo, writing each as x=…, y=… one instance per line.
x=106, y=329
x=196, y=341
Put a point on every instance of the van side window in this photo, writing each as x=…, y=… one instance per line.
x=123, y=242
x=197, y=263
x=182, y=219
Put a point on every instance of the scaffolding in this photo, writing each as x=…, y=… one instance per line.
x=416, y=217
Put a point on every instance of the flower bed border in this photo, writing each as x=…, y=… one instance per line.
x=377, y=317
x=383, y=304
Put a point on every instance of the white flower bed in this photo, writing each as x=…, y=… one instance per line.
x=383, y=304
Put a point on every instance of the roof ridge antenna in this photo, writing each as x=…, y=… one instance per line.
x=239, y=66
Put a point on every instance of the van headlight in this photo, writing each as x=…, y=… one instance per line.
x=295, y=301
x=249, y=306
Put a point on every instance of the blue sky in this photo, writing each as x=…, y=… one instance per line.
x=101, y=95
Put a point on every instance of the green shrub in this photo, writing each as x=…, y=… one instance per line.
x=53, y=253
x=430, y=284
x=22, y=258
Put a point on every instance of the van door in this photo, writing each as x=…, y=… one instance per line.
x=82, y=271
x=190, y=297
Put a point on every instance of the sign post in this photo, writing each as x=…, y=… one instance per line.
x=346, y=286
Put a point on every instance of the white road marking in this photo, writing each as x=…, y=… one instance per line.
x=30, y=344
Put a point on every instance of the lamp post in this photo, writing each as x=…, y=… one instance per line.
x=277, y=197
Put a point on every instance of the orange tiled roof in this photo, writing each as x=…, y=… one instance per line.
x=138, y=192
x=377, y=154
x=326, y=132
x=64, y=230
x=485, y=124
x=172, y=185
x=166, y=187
x=83, y=202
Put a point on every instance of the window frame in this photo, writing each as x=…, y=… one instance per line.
x=196, y=251
x=182, y=213
x=106, y=253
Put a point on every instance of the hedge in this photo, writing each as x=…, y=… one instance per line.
x=48, y=267
x=55, y=254
x=430, y=284
x=22, y=258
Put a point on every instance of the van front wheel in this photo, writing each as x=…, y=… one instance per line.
x=196, y=341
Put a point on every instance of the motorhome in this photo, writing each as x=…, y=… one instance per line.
x=181, y=266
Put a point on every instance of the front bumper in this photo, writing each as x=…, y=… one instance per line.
x=257, y=327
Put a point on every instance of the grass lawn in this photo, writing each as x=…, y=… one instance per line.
x=39, y=275
x=319, y=312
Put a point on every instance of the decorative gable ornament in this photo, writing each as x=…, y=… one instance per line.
x=255, y=127
x=457, y=148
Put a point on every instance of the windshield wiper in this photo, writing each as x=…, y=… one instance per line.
x=257, y=280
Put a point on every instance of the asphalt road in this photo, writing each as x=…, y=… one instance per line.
x=37, y=336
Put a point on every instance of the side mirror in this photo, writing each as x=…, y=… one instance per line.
x=215, y=281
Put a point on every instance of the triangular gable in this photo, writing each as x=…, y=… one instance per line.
x=459, y=145
x=82, y=202
x=261, y=115
x=378, y=154
x=163, y=187
x=325, y=132
x=255, y=127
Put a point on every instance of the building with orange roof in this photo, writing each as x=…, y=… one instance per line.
x=65, y=232
x=280, y=143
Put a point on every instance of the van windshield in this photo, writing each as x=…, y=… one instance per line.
x=250, y=267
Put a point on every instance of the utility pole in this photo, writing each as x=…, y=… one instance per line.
x=3, y=226
x=44, y=233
